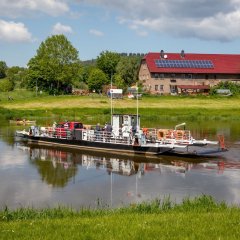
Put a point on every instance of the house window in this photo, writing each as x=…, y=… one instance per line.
x=162, y=76
x=156, y=87
x=156, y=75
x=206, y=77
x=161, y=87
x=183, y=76
x=189, y=76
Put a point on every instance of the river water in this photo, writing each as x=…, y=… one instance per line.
x=31, y=176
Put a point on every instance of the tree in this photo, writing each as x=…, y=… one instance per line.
x=128, y=68
x=96, y=80
x=107, y=62
x=119, y=82
x=84, y=72
x=55, y=65
x=6, y=85
x=3, y=69
x=16, y=75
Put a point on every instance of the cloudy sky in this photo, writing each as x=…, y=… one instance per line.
x=140, y=26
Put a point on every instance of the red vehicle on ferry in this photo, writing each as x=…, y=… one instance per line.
x=63, y=128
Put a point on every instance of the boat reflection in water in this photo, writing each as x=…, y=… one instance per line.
x=56, y=165
x=77, y=178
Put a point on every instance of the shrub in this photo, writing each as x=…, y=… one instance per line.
x=6, y=85
x=233, y=87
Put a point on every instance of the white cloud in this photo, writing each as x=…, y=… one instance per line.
x=96, y=32
x=203, y=19
x=14, y=32
x=16, y=8
x=59, y=28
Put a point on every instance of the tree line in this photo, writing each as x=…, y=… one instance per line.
x=56, y=69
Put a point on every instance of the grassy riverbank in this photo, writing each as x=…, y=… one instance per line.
x=96, y=108
x=200, y=218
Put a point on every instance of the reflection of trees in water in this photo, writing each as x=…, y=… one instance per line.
x=7, y=135
x=56, y=176
x=55, y=167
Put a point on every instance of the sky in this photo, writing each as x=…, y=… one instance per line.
x=124, y=26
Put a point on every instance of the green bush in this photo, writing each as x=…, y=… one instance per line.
x=233, y=87
x=6, y=85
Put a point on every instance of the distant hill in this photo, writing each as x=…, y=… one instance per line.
x=89, y=62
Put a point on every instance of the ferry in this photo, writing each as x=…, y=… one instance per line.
x=123, y=136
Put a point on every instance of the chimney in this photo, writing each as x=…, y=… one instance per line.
x=162, y=54
x=182, y=54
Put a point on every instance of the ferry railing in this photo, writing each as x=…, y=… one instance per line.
x=105, y=137
x=152, y=135
x=56, y=132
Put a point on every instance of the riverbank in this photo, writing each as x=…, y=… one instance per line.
x=200, y=218
x=96, y=108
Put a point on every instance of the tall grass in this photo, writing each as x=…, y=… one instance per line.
x=152, y=116
x=199, y=218
x=201, y=204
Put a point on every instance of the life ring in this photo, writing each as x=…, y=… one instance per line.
x=145, y=131
x=161, y=134
x=179, y=134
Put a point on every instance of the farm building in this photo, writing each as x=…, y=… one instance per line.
x=174, y=73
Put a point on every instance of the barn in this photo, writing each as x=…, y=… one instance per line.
x=174, y=73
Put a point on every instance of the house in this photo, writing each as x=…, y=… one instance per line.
x=173, y=73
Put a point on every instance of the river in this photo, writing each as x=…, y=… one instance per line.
x=31, y=176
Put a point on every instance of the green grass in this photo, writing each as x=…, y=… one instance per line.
x=96, y=108
x=199, y=218
x=149, y=116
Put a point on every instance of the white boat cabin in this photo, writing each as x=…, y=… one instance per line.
x=126, y=123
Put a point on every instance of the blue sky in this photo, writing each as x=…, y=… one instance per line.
x=140, y=26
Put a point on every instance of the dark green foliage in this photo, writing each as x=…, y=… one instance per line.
x=55, y=66
x=6, y=85
x=119, y=82
x=233, y=87
x=17, y=75
x=96, y=80
x=84, y=72
x=107, y=62
x=127, y=69
x=3, y=69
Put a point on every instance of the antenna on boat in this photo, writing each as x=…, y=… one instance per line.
x=111, y=92
x=137, y=108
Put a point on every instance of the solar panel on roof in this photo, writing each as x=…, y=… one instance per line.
x=184, y=63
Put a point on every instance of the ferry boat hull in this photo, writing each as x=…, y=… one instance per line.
x=153, y=149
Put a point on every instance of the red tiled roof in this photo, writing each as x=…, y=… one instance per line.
x=194, y=87
x=223, y=63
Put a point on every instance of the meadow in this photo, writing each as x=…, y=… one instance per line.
x=96, y=108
